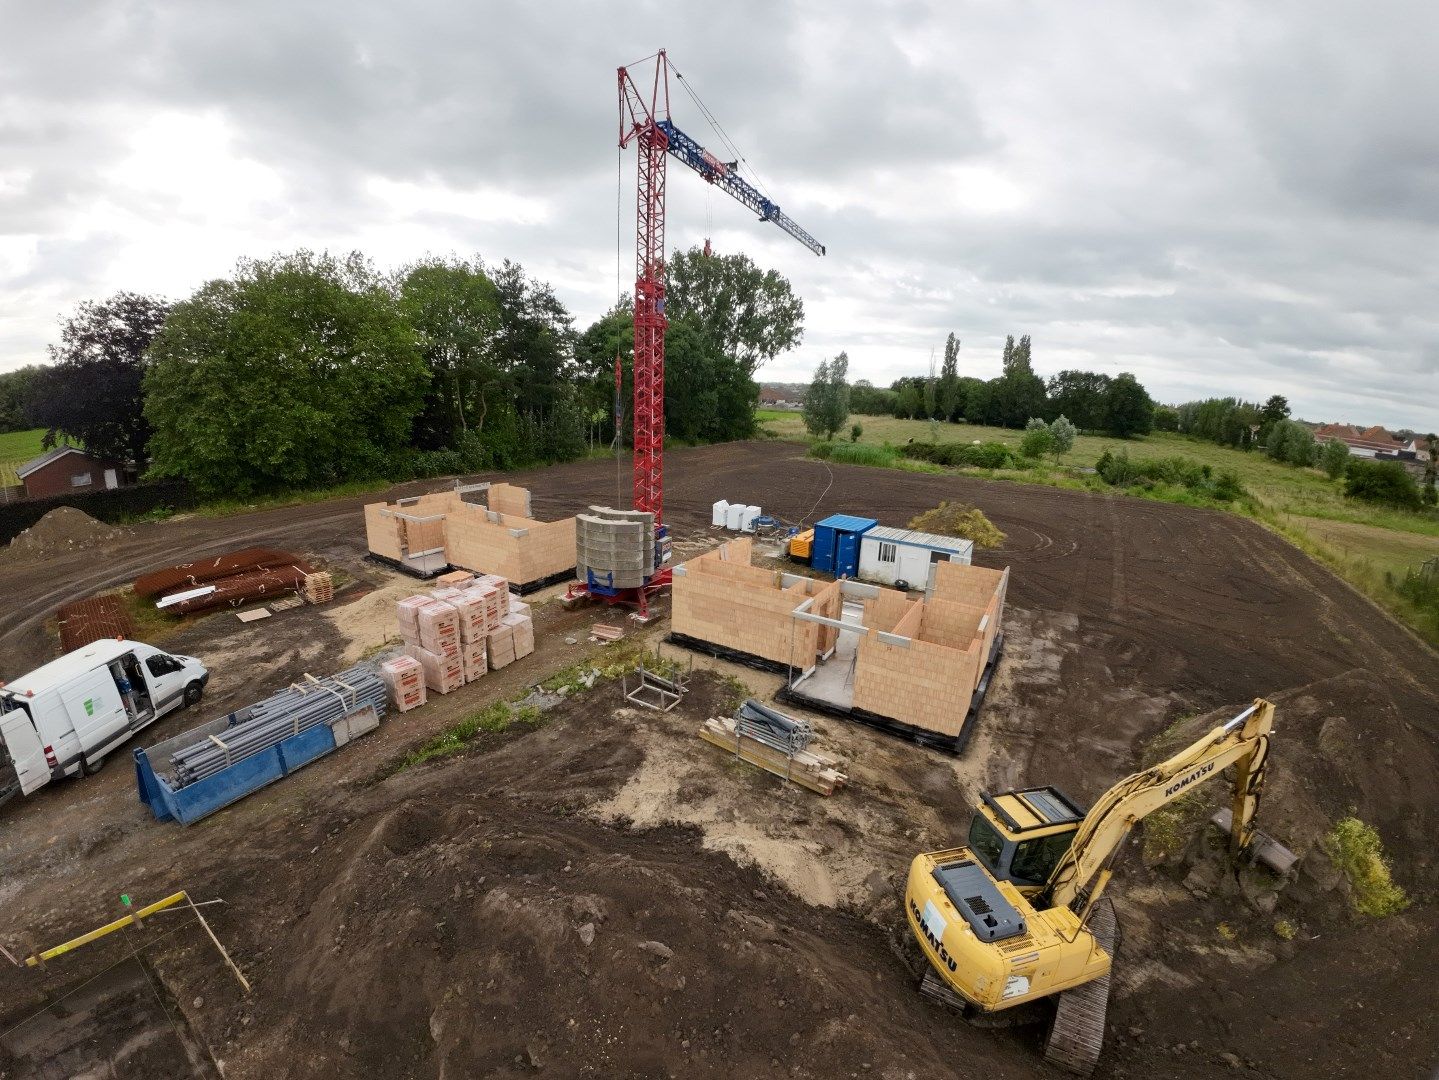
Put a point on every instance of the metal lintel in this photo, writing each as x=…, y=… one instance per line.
x=894, y=639
x=858, y=590
x=836, y=623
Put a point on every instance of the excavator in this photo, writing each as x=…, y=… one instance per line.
x=1018, y=915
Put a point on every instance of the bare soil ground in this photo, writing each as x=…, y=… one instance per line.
x=494, y=914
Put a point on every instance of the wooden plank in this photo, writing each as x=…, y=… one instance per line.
x=253, y=615
x=822, y=781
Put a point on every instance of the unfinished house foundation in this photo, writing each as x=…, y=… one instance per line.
x=915, y=668
x=486, y=528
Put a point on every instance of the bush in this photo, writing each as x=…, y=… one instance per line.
x=1119, y=470
x=1333, y=458
x=959, y=519
x=1382, y=482
x=1038, y=440
x=855, y=454
x=990, y=455
x=855, y=431
x=1357, y=850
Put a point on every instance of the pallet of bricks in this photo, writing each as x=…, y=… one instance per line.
x=464, y=628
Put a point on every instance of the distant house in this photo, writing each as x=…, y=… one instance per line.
x=68, y=470
x=1367, y=443
x=773, y=398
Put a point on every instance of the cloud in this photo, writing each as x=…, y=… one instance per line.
x=1223, y=199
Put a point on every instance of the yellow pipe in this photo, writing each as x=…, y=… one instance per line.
x=95, y=935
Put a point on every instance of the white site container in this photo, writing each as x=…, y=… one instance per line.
x=734, y=516
x=750, y=516
x=720, y=514
x=888, y=555
x=63, y=718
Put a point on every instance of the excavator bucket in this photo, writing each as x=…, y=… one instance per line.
x=1263, y=849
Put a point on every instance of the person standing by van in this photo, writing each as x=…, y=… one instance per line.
x=122, y=683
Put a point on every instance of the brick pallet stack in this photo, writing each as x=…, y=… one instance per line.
x=431, y=630
x=406, y=681
x=522, y=633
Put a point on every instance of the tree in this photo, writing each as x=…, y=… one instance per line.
x=1333, y=458
x=950, y=399
x=908, y=401
x=1037, y=440
x=1166, y=418
x=92, y=394
x=1382, y=482
x=16, y=389
x=1291, y=442
x=1276, y=409
x=1064, y=433
x=708, y=395
x=1130, y=409
x=1083, y=396
x=301, y=371
x=751, y=314
x=869, y=400
x=855, y=432
x=826, y=405
x=1430, y=495
x=455, y=308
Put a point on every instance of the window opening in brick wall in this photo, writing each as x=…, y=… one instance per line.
x=80, y=480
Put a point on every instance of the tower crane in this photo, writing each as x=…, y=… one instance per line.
x=645, y=121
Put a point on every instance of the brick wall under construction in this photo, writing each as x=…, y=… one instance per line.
x=929, y=681
x=485, y=540
x=722, y=599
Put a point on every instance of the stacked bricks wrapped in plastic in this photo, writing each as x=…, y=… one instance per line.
x=522, y=633
x=407, y=614
x=501, y=645
x=475, y=655
x=405, y=679
x=442, y=673
x=439, y=628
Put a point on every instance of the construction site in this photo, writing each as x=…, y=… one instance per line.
x=490, y=777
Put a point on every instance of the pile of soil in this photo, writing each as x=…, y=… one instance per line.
x=64, y=529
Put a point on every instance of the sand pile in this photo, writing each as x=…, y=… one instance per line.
x=64, y=529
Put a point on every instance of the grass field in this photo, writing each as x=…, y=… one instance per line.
x=16, y=448
x=1361, y=543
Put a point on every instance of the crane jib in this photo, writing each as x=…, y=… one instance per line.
x=723, y=175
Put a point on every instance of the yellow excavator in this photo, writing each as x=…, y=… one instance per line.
x=1016, y=916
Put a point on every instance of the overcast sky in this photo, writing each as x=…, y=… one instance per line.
x=1222, y=198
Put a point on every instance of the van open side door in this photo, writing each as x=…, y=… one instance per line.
x=27, y=753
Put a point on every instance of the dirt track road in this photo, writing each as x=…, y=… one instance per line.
x=1125, y=615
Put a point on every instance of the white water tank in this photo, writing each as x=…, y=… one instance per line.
x=751, y=514
x=720, y=514
x=734, y=516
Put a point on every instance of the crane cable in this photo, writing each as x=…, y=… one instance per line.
x=720, y=131
x=619, y=299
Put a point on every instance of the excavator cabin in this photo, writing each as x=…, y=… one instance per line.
x=1020, y=836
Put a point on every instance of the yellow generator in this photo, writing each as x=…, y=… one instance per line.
x=801, y=544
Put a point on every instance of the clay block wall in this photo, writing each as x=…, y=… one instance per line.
x=722, y=599
x=972, y=585
x=886, y=610
x=927, y=685
x=509, y=499
x=947, y=623
x=470, y=540
x=382, y=534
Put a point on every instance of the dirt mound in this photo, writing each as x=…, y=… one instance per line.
x=64, y=529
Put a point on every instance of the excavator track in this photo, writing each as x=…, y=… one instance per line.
x=1077, y=1035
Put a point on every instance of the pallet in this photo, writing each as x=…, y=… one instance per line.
x=950, y=744
x=807, y=769
x=319, y=588
x=1076, y=1038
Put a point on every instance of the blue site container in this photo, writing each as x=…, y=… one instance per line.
x=836, y=544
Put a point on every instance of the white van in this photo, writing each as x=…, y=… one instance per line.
x=63, y=718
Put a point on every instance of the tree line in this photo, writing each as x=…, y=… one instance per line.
x=304, y=370
x=1091, y=401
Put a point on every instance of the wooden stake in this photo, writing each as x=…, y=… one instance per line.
x=244, y=982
